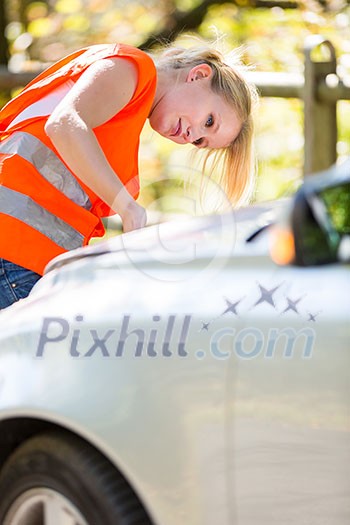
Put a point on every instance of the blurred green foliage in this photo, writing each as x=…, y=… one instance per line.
x=272, y=39
x=337, y=201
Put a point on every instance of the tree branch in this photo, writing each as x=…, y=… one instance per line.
x=4, y=54
x=190, y=20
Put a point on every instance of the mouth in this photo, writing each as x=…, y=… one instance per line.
x=177, y=130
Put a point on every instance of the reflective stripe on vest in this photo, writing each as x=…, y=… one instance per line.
x=22, y=207
x=47, y=164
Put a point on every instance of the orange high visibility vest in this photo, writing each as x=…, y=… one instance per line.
x=45, y=210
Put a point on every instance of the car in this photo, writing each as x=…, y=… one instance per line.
x=190, y=372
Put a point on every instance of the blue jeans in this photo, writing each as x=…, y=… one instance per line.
x=15, y=282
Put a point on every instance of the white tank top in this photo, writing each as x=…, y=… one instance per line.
x=45, y=106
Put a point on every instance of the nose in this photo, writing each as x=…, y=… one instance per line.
x=192, y=135
x=187, y=135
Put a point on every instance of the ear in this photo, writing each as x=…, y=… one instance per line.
x=199, y=72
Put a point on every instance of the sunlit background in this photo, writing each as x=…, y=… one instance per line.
x=272, y=38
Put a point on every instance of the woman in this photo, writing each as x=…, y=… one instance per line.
x=69, y=146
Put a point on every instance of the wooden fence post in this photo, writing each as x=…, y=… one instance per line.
x=320, y=116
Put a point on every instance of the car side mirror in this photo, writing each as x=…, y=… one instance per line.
x=316, y=228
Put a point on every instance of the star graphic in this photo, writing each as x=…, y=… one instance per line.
x=292, y=305
x=205, y=326
x=231, y=307
x=266, y=296
x=312, y=317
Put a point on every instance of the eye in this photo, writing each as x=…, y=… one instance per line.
x=210, y=121
x=197, y=142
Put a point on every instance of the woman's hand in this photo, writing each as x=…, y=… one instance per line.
x=133, y=217
x=99, y=94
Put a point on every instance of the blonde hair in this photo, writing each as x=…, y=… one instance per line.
x=237, y=160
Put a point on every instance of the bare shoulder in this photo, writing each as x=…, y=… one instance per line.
x=111, y=74
x=104, y=88
x=118, y=67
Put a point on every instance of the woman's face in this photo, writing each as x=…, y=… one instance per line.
x=190, y=112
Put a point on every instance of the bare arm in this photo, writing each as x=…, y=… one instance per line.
x=101, y=92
